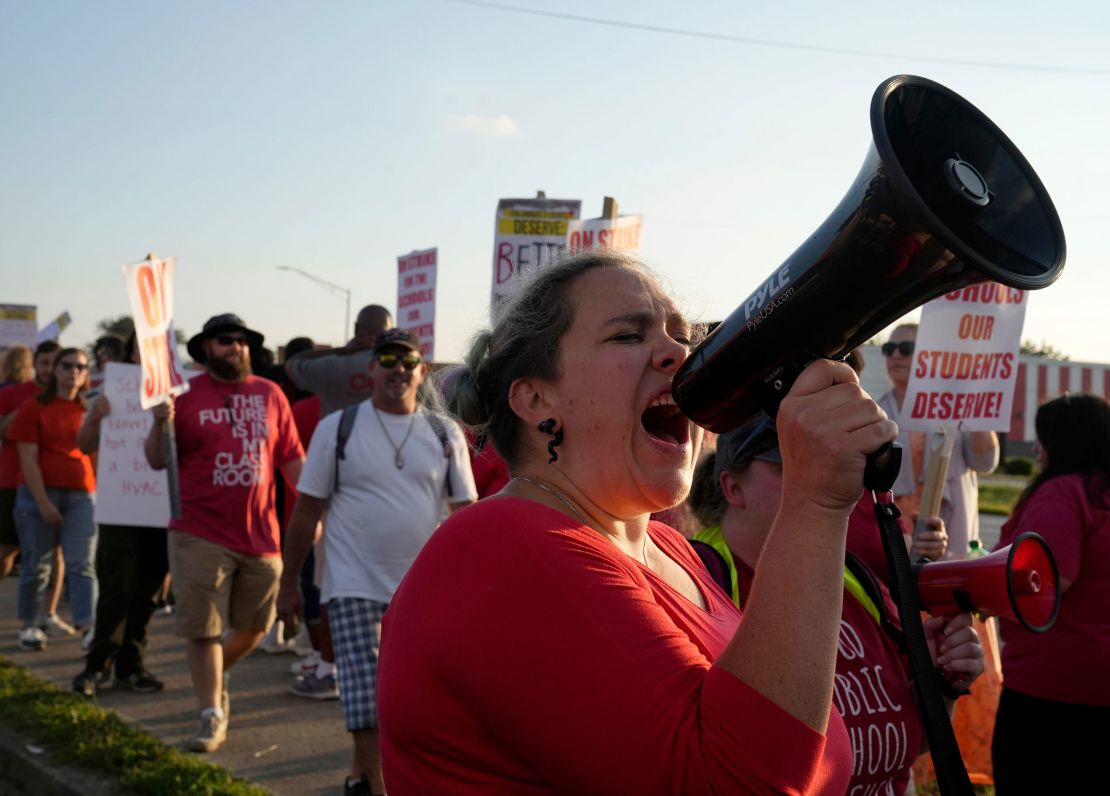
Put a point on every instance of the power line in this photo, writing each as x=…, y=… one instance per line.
x=782, y=45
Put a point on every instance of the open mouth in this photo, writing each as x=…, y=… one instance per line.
x=664, y=420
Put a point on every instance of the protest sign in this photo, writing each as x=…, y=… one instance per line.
x=18, y=325
x=416, y=297
x=128, y=491
x=529, y=234
x=150, y=288
x=606, y=234
x=53, y=329
x=965, y=360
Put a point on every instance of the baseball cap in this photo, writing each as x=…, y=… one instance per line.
x=755, y=438
x=397, y=337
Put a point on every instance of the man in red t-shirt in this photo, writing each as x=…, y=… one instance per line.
x=232, y=430
x=11, y=398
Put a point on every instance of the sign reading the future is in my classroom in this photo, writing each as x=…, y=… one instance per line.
x=416, y=297
x=530, y=233
x=965, y=360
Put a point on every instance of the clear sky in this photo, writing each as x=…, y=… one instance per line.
x=334, y=136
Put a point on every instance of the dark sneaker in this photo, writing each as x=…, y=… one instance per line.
x=315, y=687
x=141, y=682
x=88, y=682
x=358, y=787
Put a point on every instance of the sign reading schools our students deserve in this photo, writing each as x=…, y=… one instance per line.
x=965, y=360
x=529, y=234
x=150, y=288
x=128, y=491
x=416, y=297
x=607, y=234
x=18, y=325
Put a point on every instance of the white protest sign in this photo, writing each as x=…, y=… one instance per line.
x=53, y=329
x=150, y=288
x=416, y=297
x=18, y=325
x=965, y=360
x=606, y=234
x=529, y=234
x=128, y=492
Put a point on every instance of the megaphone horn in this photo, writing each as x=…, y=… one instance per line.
x=944, y=200
x=1018, y=582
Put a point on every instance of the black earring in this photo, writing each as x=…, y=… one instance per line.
x=548, y=427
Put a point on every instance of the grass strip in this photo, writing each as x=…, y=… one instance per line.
x=999, y=498
x=81, y=733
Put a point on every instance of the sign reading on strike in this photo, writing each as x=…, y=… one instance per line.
x=128, y=491
x=416, y=297
x=965, y=360
x=529, y=234
x=150, y=288
x=606, y=234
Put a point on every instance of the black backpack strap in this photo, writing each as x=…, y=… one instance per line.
x=870, y=585
x=342, y=434
x=439, y=426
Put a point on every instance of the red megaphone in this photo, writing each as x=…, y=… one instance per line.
x=1018, y=582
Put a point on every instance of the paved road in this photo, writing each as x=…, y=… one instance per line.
x=287, y=744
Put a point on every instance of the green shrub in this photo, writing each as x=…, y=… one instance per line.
x=81, y=733
x=1019, y=465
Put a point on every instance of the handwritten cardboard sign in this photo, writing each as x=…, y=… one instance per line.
x=965, y=360
x=128, y=492
x=530, y=233
x=605, y=234
x=18, y=325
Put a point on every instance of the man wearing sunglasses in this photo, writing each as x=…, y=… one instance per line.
x=341, y=376
x=974, y=452
x=233, y=430
x=384, y=490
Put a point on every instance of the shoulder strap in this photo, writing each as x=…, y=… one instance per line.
x=437, y=423
x=342, y=434
x=860, y=581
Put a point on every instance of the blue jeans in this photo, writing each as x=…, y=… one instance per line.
x=37, y=540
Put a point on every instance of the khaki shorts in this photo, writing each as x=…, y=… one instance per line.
x=217, y=588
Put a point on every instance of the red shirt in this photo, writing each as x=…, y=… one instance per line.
x=873, y=693
x=306, y=416
x=53, y=428
x=230, y=437
x=1069, y=662
x=525, y=654
x=11, y=398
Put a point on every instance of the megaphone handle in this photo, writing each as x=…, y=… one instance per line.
x=881, y=470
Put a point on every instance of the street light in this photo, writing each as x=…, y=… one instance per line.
x=331, y=287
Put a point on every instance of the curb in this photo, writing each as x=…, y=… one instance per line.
x=38, y=773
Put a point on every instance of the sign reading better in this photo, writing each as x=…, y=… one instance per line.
x=529, y=234
x=965, y=360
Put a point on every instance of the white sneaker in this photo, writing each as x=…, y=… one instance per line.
x=32, y=639
x=87, y=639
x=306, y=665
x=54, y=625
x=302, y=643
x=210, y=735
x=274, y=642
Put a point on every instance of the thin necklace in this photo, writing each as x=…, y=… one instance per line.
x=398, y=459
x=574, y=508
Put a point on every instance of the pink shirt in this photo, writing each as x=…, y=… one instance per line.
x=230, y=437
x=525, y=654
x=1070, y=662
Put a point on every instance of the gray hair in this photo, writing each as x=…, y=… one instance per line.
x=524, y=344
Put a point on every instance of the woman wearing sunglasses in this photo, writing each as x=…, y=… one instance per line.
x=551, y=639
x=54, y=503
x=974, y=452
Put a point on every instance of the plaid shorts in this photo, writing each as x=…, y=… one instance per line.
x=356, y=634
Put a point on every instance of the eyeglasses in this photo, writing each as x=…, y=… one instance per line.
x=79, y=367
x=905, y=348
x=227, y=339
x=408, y=361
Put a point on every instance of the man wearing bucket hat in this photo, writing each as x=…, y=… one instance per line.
x=233, y=429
